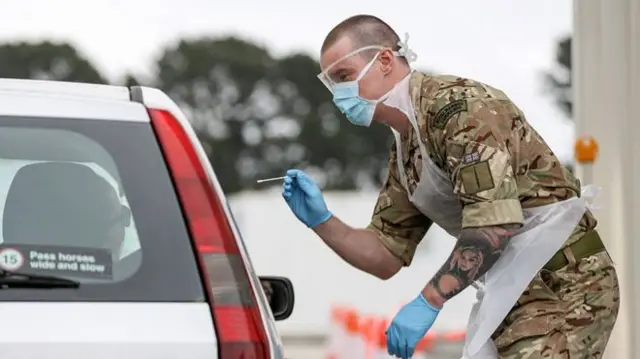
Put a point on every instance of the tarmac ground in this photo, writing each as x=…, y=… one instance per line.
x=314, y=348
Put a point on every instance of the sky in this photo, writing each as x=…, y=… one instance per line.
x=504, y=43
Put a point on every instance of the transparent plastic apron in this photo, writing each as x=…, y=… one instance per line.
x=544, y=231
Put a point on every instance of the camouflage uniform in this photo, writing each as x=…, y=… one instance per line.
x=498, y=164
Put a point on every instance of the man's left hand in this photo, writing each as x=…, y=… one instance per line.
x=409, y=326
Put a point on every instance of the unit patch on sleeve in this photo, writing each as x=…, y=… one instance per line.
x=447, y=111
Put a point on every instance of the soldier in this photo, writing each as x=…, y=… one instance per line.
x=465, y=158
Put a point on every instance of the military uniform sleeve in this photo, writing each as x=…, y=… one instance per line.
x=399, y=225
x=478, y=143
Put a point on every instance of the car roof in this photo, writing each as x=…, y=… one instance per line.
x=61, y=88
x=39, y=98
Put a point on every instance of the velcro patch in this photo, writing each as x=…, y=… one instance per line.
x=476, y=178
x=446, y=112
x=471, y=158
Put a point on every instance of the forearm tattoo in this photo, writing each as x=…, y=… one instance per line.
x=475, y=252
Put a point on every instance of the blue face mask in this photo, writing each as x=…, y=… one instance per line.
x=346, y=96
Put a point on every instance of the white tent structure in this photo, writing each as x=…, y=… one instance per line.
x=606, y=65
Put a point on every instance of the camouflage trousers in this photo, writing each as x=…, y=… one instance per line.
x=566, y=314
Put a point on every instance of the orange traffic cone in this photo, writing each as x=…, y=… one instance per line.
x=425, y=345
x=354, y=347
x=455, y=336
x=381, y=341
x=336, y=332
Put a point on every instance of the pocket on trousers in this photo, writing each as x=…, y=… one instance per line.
x=543, y=287
x=538, y=313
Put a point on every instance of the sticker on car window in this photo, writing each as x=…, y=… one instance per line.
x=78, y=262
x=11, y=259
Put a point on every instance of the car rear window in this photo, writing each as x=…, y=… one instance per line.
x=92, y=201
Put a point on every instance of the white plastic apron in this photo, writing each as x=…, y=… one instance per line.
x=544, y=231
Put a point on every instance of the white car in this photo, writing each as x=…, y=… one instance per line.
x=116, y=240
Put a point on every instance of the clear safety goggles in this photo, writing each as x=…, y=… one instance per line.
x=403, y=51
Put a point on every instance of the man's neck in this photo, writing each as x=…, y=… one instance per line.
x=393, y=117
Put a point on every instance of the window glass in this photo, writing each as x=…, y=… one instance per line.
x=92, y=201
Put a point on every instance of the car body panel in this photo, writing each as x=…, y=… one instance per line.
x=112, y=329
x=156, y=99
x=106, y=330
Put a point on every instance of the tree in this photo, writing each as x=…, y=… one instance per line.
x=46, y=61
x=217, y=82
x=255, y=115
x=558, y=80
x=258, y=116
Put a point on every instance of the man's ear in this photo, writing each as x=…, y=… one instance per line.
x=386, y=58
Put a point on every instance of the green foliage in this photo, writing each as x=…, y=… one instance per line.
x=256, y=115
x=46, y=61
x=558, y=80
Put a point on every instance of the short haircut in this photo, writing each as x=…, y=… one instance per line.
x=363, y=30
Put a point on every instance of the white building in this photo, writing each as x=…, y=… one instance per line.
x=606, y=65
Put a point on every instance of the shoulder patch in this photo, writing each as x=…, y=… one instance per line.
x=447, y=111
x=476, y=178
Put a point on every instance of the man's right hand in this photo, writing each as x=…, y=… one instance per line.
x=305, y=199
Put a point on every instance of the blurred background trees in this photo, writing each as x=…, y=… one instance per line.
x=558, y=79
x=256, y=115
x=46, y=61
x=558, y=83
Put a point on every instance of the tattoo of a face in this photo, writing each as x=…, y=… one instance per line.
x=474, y=253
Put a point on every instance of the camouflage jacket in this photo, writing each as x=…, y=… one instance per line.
x=497, y=163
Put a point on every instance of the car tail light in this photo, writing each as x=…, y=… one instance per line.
x=236, y=315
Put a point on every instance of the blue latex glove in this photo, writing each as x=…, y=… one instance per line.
x=409, y=326
x=304, y=197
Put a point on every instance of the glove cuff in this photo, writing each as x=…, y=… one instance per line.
x=426, y=302
x=327, y=216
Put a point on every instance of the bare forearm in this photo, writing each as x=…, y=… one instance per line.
x=474, y=253
x=359, y=247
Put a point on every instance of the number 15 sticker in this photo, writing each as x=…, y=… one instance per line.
x=11, y=259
